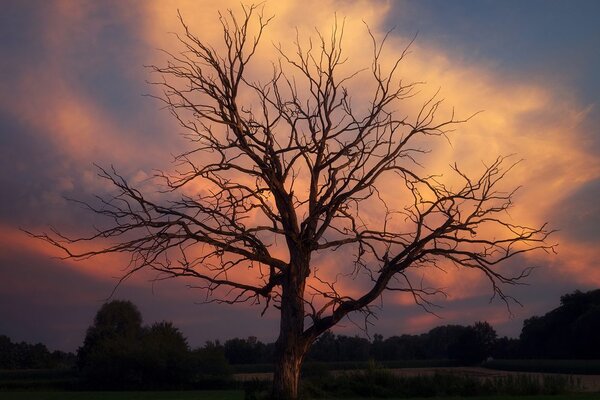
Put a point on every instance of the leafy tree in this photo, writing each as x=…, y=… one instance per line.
x=165, y=357
x=111, y=348
x=245, y=351
x=23, y=355
x=324, y=348
x=474, y=343
x=506, y=347
x=377, y=348
x=352, y=348
x=7, y=356
x=210, y=361
x=569, y=331
x=118, y=351
x=286, y=165
x=34, y=356
x=63, y=360
x=585, y=332
x=486, y=335
x=330, y=347
x=31, y=356
x=443, y=341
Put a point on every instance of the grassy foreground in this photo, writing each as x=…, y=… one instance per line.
x=170, y=395
x=231, y=395
x=234, y=395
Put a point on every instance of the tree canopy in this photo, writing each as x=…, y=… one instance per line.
x=118, y=351
x=568, y=331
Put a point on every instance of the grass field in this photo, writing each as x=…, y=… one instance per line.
x=170, y=395
x=229, y=395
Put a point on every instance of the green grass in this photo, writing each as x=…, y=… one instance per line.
x=171, y=395
x=232, y=395
x=587, y=396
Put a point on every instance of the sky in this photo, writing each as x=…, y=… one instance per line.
x=73, y=86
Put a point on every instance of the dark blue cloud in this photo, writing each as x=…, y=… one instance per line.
x=579, y=214
x=543, y=41
x=106, y=60
x=30, y=167
x=22, y=27
x=102, y=59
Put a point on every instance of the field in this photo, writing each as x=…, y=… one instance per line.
x=170, y=395
x=226, y=395
x=338, y=381
x=585, y=383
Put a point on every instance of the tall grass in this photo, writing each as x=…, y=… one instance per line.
x=583, y=367
x=379, y=382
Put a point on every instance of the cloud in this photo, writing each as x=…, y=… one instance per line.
x=541, y=124
x=74, y=98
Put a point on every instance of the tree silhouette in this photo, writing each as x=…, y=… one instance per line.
x=118, y=352
x=278, y=175
x=165, y=356
x=111, y=348
x=568, y=331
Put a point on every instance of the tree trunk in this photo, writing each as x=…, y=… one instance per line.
x=287, y=372
x=291, y=346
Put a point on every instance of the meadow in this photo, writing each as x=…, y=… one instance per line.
x=334, y=381
x=231, y=395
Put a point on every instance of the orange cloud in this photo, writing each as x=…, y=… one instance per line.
x=105, y=267
x=540, y=124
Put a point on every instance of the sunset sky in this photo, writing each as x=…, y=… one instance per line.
x=72, y=86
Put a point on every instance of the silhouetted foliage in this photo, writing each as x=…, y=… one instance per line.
x=506, y=347
x=119, y=352
x=31, y=356
x=112, y=345
x=467, y=344
x=210, y=361
x=569, y=331
x=248, y=351
x=404, y=347
x=165, y=357
x=331, y=348
x=474, y=344
x=324, y=348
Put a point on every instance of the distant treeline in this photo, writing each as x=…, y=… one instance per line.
x=31, y=356
x=570, y=331
x=120, y=350
x=468, y=344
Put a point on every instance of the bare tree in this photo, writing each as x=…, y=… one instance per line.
x=277, y=175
